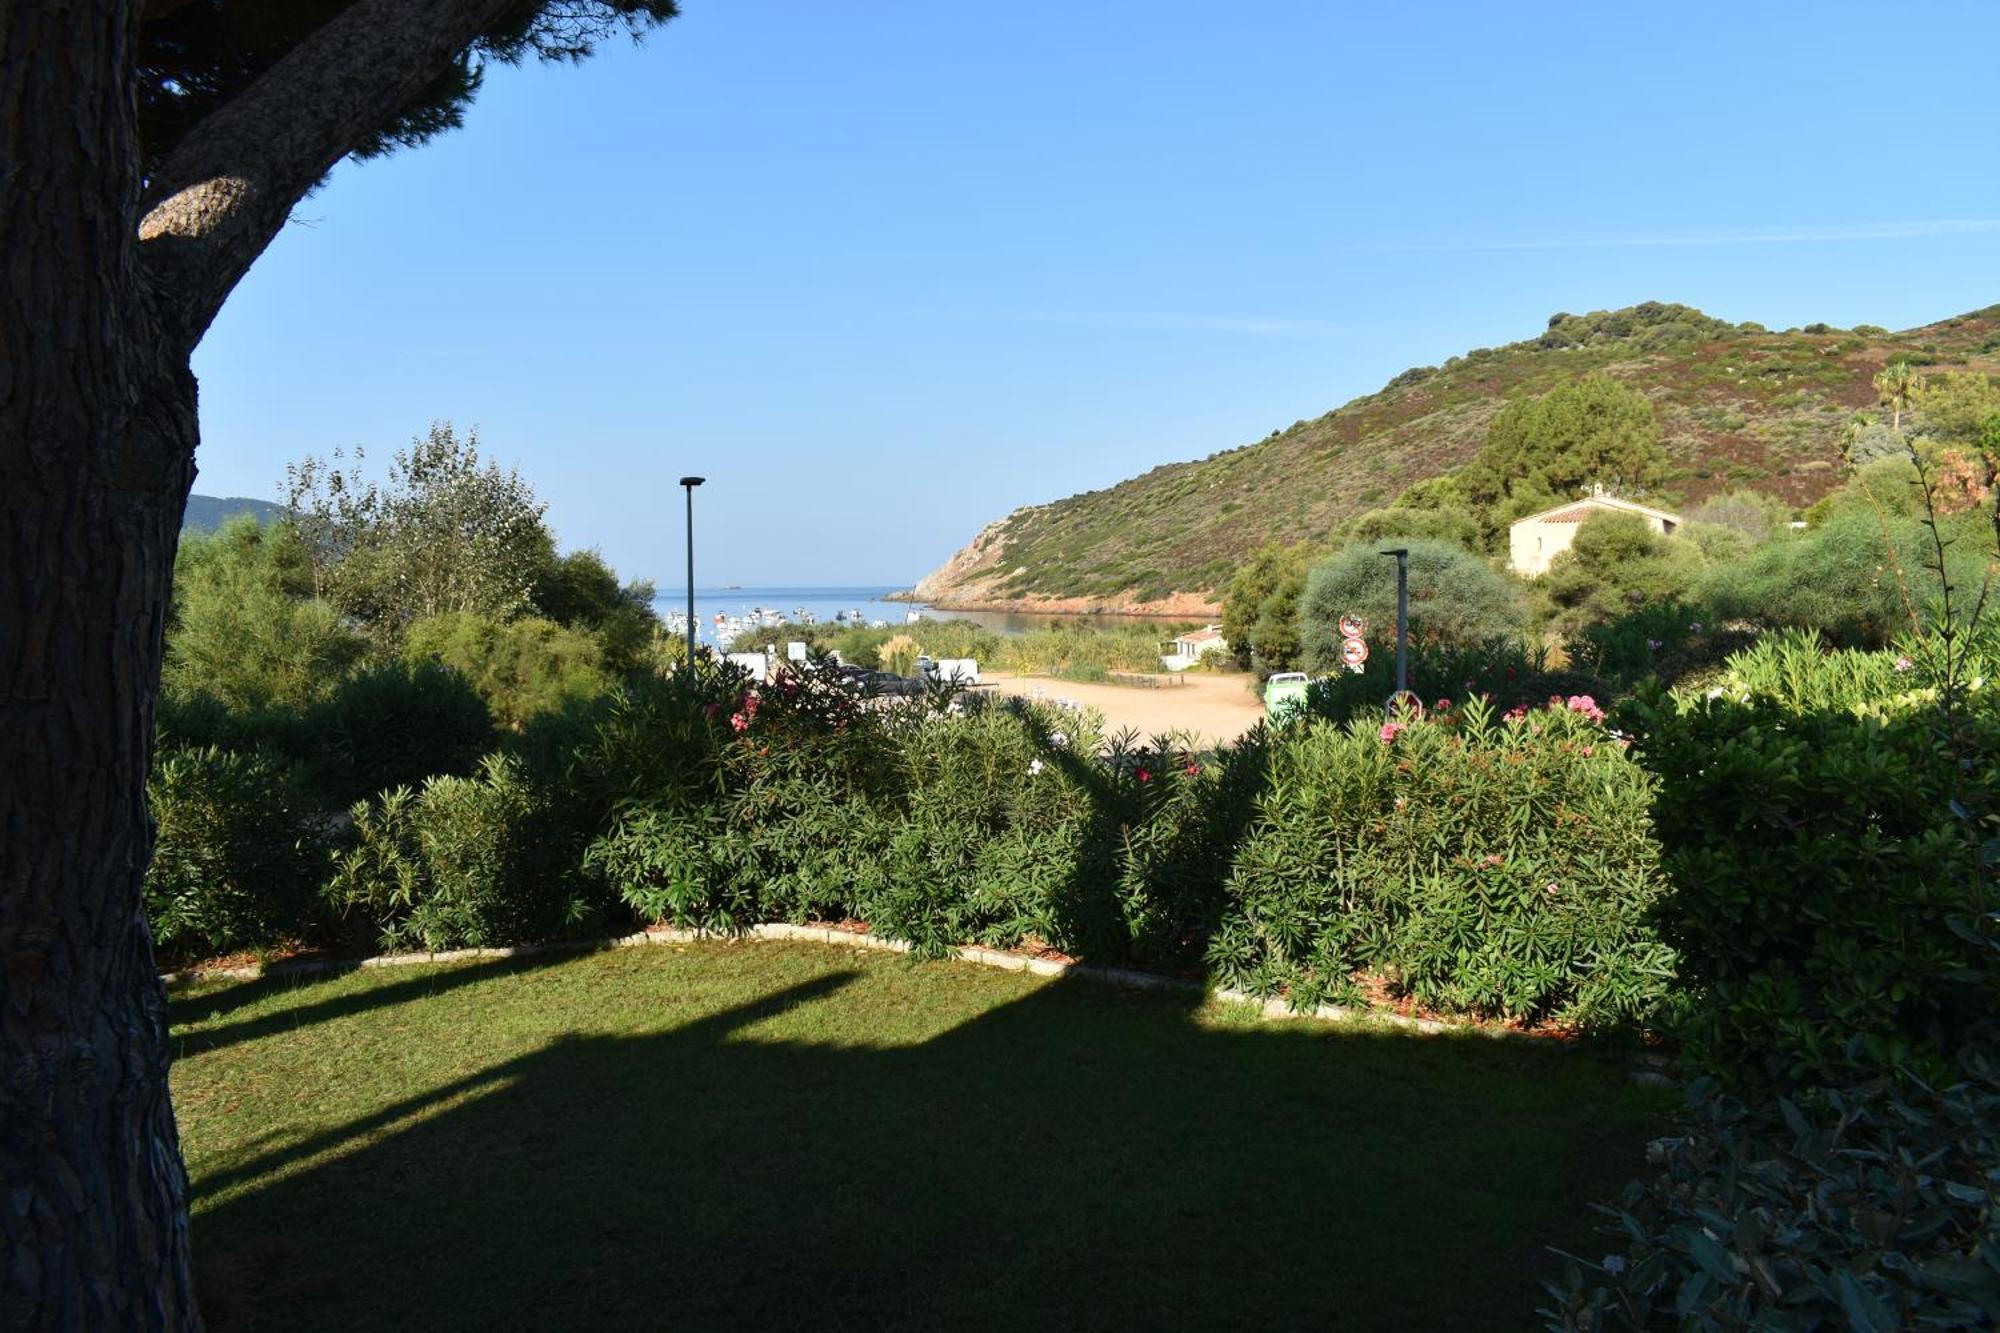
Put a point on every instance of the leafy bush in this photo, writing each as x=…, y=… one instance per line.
x=520, y=667
x=236, y=857
x=392, y=725
x=1493, y=865
x=1825, y=889
x=1456, y=598
x=465, y=862
x=1670, y=641
x=245, y=630
x=1615, y=565
x=1505, y=672
x=1869, y=1208
x=1858, y=579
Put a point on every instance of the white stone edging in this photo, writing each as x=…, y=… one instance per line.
x=971, y=953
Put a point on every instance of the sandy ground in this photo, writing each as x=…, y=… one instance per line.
x=1217, y=708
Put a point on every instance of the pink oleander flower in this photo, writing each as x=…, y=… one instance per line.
x=1550, y=889
x=1905, y=664
x=1389, y=732
x=739, y=722
x=1145, y=775
x=1583, y=703
x=1589, y=750
x=1444, y=705
x=1194, y=770
x=1515, y=714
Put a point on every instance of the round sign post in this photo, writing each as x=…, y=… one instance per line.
x=1353, y=652
x=1353, y=627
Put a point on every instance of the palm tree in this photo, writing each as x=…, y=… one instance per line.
x=1895, y=386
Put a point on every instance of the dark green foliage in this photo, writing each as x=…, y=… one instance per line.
x=1501, y=867
x=581, y=591
x=1670, y=641
x=1592, y=431
x=1616, y=565
x=196, y=55
x=1456, y=598
x=246, y=631
x=521, y=668
x=1867, y=1208
x=1858, y=578
x=1824, y=889
x=237, y=856
x=484, y=860
x=1504, y=672
x=392, y=724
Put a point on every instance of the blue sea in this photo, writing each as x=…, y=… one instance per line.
x=824, y=604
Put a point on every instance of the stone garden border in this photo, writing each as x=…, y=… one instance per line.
x=983, y=957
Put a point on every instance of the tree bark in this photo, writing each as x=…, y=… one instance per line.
x=97, y=431
x=106, y=284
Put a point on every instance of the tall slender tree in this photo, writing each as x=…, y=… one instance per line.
x=1896, y=385
x=149, y=151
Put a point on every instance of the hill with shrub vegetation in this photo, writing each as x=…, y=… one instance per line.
x=1737, y=407
x=206, y=513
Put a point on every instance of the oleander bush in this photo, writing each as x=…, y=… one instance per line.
x=1504, y=670
x=1828, y=876
x=237, y=856
x=1483, y=863
x=465, y=862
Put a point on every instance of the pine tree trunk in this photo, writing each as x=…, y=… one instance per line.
x=97, y=433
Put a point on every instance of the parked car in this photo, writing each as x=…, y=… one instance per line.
x=873, y=684
x=1285, y=695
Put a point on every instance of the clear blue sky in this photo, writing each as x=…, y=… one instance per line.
x=885, y=271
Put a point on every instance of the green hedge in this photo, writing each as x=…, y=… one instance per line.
x=1481, y=863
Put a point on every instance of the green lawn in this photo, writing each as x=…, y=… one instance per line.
x=777, y=1136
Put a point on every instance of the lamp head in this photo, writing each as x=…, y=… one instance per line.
x=692, y=482
x=1400, y=550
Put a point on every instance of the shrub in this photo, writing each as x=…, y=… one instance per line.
x=1615, y=565
x=1505, y=672
x=1456, y=598
x=1826, y=892
x=1499, y=866
x=1870, y=1208
x=245, y=629
x=1669, y=641
x=520, y=667
x=465, y=862
x=235, y=859
x=1004, y=835
x=393, y=725
x=1858, y=579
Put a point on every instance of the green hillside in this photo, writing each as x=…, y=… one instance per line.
x=1738, y=407
x=206, y=513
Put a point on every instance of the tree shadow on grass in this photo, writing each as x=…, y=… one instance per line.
x=189, y=1010
x=1080, y=1158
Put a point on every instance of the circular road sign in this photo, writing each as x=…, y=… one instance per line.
x=1352, y=627
x=1353, y=651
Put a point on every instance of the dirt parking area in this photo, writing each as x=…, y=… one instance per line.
x=1215, y=708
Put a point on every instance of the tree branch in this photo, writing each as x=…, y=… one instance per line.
x=220, y=198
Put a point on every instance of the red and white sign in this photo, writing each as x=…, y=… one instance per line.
x=1353, y=651
x=1352, y=627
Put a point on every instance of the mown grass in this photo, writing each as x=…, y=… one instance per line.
x=791, y=1136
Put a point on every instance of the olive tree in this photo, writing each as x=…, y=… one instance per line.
x=1456, y=598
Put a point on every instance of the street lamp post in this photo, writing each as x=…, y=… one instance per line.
x=690, y=483
x=1402, y=555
